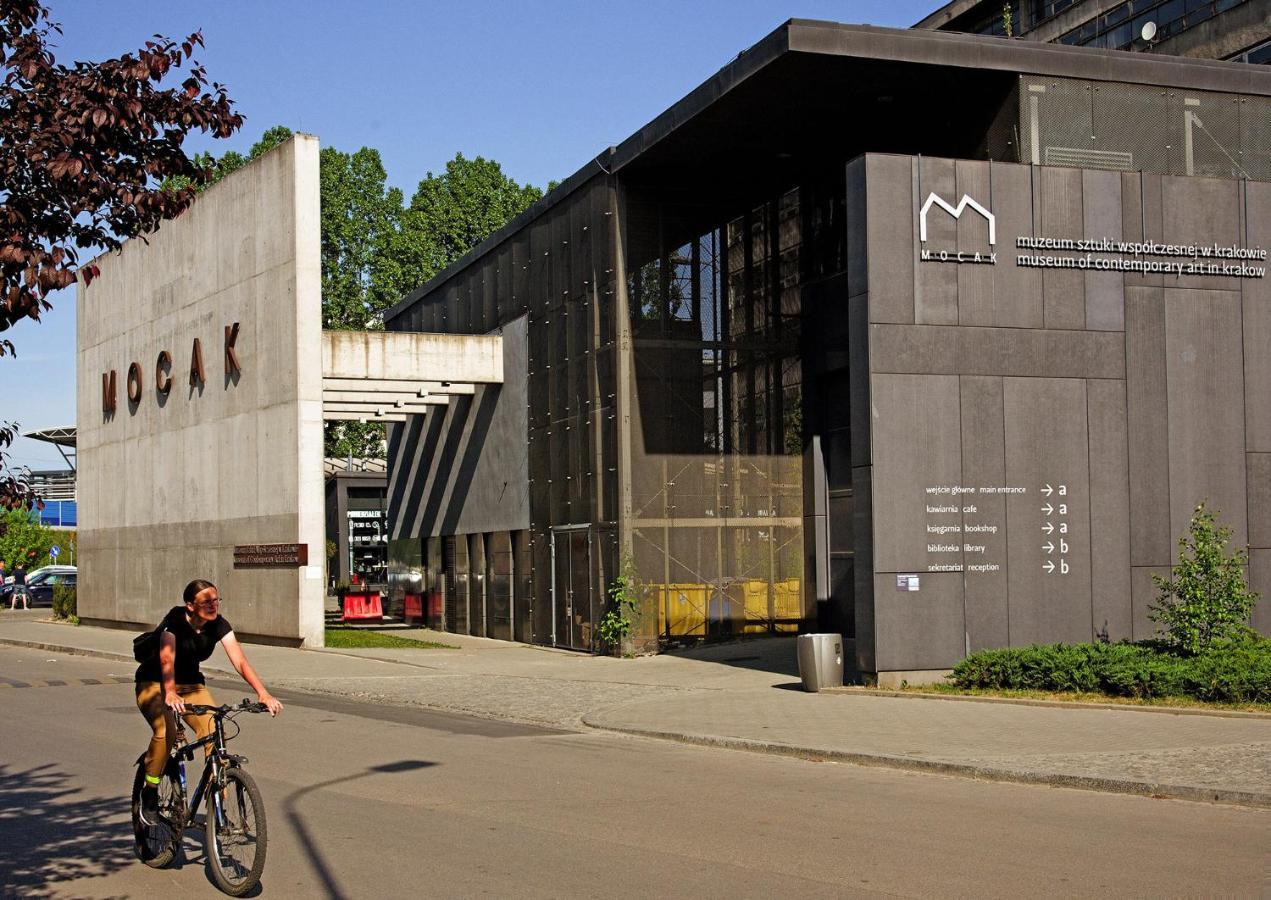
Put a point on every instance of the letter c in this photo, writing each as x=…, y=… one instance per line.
x=162, y=380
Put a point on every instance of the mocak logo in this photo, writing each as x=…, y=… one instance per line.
x=956, y=256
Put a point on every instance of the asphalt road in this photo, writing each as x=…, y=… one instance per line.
x=378, y=801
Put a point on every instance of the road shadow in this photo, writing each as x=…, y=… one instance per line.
x=313, y=853
x=51, y=833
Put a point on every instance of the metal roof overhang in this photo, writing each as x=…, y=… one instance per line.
x=812, y=92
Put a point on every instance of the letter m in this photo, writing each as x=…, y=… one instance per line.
x=108, y=392
x=956, y=212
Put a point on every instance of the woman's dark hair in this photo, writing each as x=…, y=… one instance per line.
x=194, y=588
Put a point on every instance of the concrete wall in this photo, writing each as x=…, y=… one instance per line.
x=1139, y=395
x=168, y=486
x=464, y=468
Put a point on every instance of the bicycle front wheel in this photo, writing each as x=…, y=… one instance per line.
x=236, y=835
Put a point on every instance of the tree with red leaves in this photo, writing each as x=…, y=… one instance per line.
x=90, y=155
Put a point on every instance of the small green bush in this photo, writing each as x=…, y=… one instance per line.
x=64, y=604
x=1207, y=598
x=1236, y=670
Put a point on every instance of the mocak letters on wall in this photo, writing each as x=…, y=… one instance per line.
x=163, y=372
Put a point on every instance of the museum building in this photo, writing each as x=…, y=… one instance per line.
x=935, y=340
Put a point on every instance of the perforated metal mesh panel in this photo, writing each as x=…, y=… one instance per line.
x=1131, y=127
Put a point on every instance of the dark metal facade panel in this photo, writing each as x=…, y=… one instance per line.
x=1205, y=378
x=1151, y=540
x=1193, y=209
x=889, y=185
x=1260, y=581
x=917, y=445
x=1109, y=510
x=919, y=630
x=984, y=462
x=1017, y=291
x=976, y=301
x=1102, y=208
x=1059, y=213
x=1047, y=442
x=1143, y=596
x=935, y=295
x=969, y=350
x=1259, y=469
x=1256, y=317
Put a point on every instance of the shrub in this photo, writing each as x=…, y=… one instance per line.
x=1207, y=599
x=1235, y=670
x=64, y=603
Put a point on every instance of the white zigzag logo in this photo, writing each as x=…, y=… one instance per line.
x=956, y=212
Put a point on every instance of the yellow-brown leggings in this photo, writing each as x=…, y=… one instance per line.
x=150, y=702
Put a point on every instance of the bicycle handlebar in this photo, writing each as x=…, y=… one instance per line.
x=201, y=709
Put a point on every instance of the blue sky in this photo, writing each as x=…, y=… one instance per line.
x=541, y=87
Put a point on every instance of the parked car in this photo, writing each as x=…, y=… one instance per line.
x=40, y=584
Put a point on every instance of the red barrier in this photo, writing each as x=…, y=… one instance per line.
x=414, y=607
x=363, y=607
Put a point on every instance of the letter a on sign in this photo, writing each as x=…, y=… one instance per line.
x=232, y=366
x=196, y=365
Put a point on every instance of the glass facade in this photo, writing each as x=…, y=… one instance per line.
x=1121, y=25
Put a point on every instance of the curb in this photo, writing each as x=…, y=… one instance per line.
x=1154, y=790
x=1050, y=704
x=86, y=651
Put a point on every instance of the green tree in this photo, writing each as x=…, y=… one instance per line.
x=23, y=539
x=1208, y=598
x=452, y=212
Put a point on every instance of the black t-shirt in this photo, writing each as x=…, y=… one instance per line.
x=192, y=647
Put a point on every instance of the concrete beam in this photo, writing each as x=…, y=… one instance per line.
x=380, y=397
x=397, y=385
x=328, y=416
x=413, y=355
x=383, y=403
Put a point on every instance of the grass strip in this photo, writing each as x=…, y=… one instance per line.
x=1086, y=697
x=357, y=639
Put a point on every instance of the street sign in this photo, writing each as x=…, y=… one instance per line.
x=54, y=551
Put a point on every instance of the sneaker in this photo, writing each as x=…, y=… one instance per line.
x=150, y=805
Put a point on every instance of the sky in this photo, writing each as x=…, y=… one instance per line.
x=542, y=87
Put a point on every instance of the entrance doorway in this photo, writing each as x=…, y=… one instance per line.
x=575, y=595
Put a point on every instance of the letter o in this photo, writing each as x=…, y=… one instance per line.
x=134, y=383
x=162, y=380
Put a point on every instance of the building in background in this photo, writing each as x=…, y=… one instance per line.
x=1236, y=30
x=357, y=520
x=934, y=340
x=56, y=487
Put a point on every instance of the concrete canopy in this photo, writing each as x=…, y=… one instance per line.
x=377, y=376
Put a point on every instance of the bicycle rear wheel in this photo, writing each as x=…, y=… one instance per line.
x=156, y=845
x=236, y=835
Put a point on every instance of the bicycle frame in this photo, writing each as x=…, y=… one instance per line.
x=219, y=757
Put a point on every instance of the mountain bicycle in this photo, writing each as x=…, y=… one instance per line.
x=235, y=824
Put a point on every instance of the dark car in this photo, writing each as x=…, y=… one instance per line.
x=40, y=585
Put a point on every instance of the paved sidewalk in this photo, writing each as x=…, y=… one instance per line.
x=747, y=696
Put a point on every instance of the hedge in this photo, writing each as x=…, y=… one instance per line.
x=65, y=605
x=1235, y=671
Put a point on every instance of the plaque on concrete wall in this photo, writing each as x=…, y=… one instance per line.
x=257, y=556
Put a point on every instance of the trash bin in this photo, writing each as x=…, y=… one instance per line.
x=820, y=661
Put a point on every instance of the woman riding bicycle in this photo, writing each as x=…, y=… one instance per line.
x=171, y=678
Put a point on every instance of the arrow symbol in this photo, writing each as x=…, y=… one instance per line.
x=1049, y=567
x=1048, y=528
x=1048, y=547
x=1048, y=509
x=1048, y=490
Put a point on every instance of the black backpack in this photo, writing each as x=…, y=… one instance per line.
x=146, y=645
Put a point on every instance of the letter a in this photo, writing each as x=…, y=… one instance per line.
x=196, y=365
